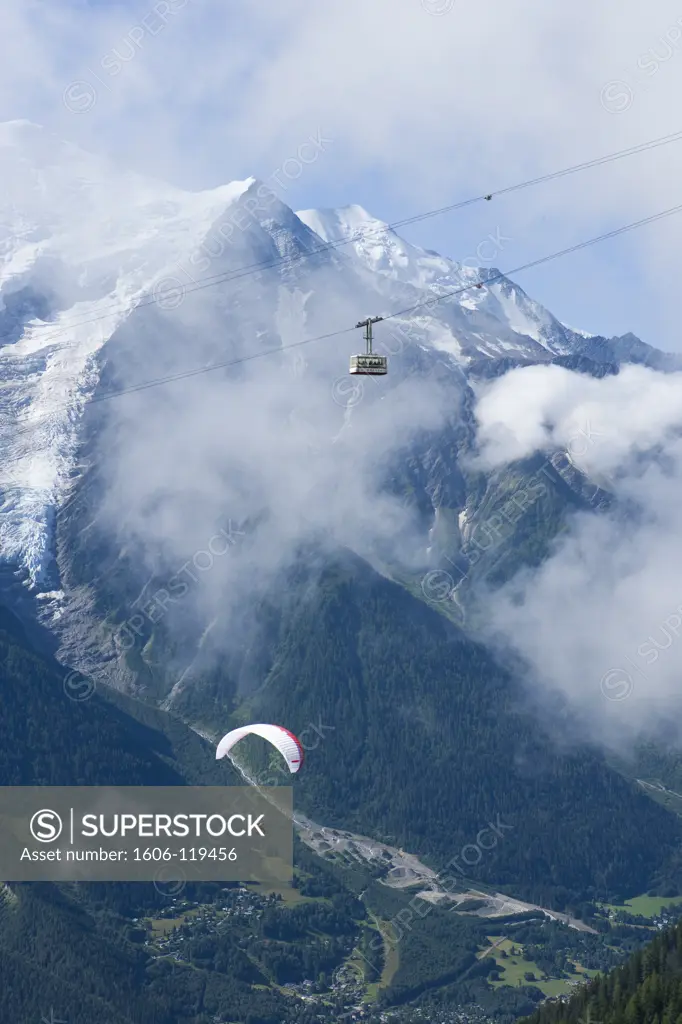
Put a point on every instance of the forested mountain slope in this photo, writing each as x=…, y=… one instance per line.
x=646, y=990
x=71, y=949
x=426, y=740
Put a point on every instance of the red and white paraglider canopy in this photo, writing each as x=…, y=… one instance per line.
x=285, y=741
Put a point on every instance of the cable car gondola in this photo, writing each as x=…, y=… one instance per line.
x=369, y=363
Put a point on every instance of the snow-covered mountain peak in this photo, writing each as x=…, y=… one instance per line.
x=498, y=319
x=83, y=244
x=577, y=330
x=345, y=222
x=377, y=246
x=61, y=204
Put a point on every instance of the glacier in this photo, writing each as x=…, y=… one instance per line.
x=85, y=246
x=103, y=239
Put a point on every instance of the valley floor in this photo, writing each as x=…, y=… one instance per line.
x=405, y=870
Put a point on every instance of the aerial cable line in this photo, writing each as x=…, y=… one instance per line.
x=543, y=259
x=427, y=303
x=284, y=261
x=389, y=316
x=609, y=158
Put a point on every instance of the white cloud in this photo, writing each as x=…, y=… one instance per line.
x=601, y=620
x=422, y=109
x=601, y=422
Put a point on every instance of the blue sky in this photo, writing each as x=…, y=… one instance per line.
x=423, y=103
x=422, y=110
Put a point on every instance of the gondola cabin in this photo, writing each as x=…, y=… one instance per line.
x=369, y=363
